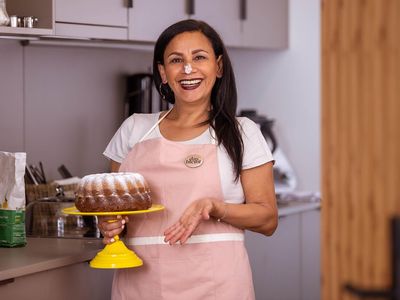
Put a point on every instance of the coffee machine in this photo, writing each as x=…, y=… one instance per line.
x=141, y=96
x=284, y=176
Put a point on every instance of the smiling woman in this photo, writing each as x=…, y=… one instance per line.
x=211, y=170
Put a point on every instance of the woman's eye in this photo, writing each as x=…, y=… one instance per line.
x=199, y=57
x=176, y=60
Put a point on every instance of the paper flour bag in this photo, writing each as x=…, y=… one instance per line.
x=12, y=199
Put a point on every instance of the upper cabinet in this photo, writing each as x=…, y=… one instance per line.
x=266, y=24
x=101, y=19
x=241, y=23
x=40, y=9
x=247, y=23
x=148, y=18
x=223, y=16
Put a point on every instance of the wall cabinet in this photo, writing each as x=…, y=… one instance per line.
x=286, y=265
x=92, y=19
x=42, y=9
x=241, y=23
x=266, y=24
x=148, y=18
x=247, y=23
x=223, y=16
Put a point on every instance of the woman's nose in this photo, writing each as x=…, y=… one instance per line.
x=187, y=68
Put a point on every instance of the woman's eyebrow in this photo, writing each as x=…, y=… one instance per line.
x=193, y=52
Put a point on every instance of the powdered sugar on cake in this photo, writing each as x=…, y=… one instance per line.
x=113, y=192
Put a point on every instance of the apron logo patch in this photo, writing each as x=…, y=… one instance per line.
x=193, y=161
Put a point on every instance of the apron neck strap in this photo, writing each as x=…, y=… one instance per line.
x=155, y=125
x=213, y=137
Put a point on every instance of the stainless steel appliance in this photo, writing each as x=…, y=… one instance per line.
x=141, y=96
x=44, y=218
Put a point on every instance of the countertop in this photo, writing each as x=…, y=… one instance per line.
x=41, y=254
x=296, y=207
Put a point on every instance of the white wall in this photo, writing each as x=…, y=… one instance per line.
x=62, y=105
x=285, y=86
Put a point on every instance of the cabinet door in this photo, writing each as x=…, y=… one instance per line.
x=223, y=16
x=275, y=261
x=266, y=24
x=148, y=18
x=78, y=282
x=92, y=12
x=310, y=261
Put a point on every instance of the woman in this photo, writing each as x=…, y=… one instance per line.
x=211, y=170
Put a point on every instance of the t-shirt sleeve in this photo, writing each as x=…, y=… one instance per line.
x=256, y=150
x=119, y=147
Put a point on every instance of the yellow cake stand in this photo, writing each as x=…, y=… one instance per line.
x=115, y=255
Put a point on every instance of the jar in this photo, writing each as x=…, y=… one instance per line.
x=4, y=19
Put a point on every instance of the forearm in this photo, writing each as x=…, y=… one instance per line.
x=258, y=217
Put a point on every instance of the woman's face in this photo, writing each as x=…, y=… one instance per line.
x=195, y=85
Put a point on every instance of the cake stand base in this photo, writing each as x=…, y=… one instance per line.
x=116, y=256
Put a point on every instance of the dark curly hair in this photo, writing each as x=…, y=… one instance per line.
x=222, y=116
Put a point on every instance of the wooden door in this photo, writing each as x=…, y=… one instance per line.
x=360, y=142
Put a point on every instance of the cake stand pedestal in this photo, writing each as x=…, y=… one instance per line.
x=115, y=255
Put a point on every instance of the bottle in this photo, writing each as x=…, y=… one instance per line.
x=4, y=19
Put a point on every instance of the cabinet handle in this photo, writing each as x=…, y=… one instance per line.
x=190, y=7
x=130, y=3
x=243, y=10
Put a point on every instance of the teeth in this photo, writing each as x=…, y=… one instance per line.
x=188, y=82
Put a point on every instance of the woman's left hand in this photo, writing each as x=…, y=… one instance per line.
x=188, y=222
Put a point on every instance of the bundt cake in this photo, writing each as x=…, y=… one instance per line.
x=108, y=192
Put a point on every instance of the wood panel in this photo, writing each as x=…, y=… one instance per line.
x=360, y=142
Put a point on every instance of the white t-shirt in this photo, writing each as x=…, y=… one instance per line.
x=256, y=150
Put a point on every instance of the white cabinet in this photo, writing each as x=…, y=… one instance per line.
x=148, y=18
x=266, y=24
x=241, y=23
x=275, y=261
x=102, y=19
x=310, y=249
x=223, y=16
x=286, y=265
x=247, y=23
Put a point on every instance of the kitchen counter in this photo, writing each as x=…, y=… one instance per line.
x=42, y=254
x=296, y=207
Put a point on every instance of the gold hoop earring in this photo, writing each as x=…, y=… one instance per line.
x=161, y=91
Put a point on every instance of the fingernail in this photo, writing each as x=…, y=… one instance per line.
x=123, y=226
x=123, y=221
x=112, y=240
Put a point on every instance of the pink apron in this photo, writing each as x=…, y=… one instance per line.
x=213, y=264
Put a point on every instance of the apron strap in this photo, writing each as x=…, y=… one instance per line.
x=213, y=137
x=194, y=239
x=154, y=126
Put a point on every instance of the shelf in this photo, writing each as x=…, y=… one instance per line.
x=25, y=31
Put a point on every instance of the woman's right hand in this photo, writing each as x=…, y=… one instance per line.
x=110, y=226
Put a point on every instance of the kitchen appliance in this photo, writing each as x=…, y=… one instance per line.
x=44, y=218
x=284, y=176
x=265, y=126
x=141, y=96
